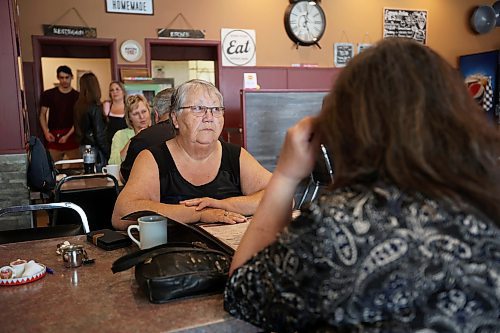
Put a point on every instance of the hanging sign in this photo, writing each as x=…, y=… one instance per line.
x=343, y=52
x=238, y=47
x=405, y=23
x=180, y=33
x=143, y=7
x=69, y=31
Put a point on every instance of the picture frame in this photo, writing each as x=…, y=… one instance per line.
x=406, y=23
x=342, y=53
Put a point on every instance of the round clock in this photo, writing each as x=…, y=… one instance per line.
x=305, y=22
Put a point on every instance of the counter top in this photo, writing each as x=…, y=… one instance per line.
x=91, y=298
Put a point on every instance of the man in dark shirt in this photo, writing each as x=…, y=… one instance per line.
x=56, y=117
x=161, y=132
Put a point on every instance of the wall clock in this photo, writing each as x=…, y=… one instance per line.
x=305, y=22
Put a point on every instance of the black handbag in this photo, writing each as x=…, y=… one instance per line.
x=192, y=263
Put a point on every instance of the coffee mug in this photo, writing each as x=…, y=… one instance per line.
x=112, y=169
x=18, y=266
x=152, y=231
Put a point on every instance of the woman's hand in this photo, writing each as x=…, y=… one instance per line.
x=63, y=139
x=49, y=137
x=204, y=202
x=298, y=154
x=214, y=215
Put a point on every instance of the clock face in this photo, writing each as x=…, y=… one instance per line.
x=305, y=22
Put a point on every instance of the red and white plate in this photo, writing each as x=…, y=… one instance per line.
x=24, y=279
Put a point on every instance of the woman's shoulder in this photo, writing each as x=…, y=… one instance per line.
x=387, y=206
x=230, y=147
x=125, y=133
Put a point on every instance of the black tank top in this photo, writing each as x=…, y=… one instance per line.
x=174, y=188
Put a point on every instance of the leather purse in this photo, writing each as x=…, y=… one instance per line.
x=192, y=263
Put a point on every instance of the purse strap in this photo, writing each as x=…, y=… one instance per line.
x=132, y=259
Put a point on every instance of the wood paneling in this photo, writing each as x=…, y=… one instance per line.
x=11, y=120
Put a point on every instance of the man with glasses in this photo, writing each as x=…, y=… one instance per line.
x=194, y=176
x=56, y=117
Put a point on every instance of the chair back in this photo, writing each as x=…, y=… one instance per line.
x=23, y=235
x=96, y=194
x=321, y=177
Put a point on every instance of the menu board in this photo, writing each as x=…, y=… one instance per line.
x=405, y=23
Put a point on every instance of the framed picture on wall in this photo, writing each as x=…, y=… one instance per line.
x=406, y=23
x=343, y=52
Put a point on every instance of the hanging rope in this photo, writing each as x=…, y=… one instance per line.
x=66, y=13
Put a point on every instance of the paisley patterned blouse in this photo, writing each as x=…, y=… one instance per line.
x=374, y=260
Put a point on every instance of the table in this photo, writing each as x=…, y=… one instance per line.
x=93, y=299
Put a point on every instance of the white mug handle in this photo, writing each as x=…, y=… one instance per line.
x=104, y=170
x=129, y=229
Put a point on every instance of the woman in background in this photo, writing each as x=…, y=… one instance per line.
x=114, y=109
x=137, y=117
x=90, y=127
x=407, y=239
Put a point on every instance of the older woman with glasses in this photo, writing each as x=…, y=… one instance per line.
x=137, y=117
x=194, y=176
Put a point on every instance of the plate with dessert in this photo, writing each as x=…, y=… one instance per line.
x=20, y=272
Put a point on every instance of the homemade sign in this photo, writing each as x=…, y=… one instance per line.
x=405, y=23
x=238, y=47
x=343, y=52
x=143, y=7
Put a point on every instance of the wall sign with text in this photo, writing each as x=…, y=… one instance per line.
x=406, y=23
x=142, y=7
x=343, y=52
x=238, y=47
x=69, y=31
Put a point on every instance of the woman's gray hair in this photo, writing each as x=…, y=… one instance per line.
x=193, y=86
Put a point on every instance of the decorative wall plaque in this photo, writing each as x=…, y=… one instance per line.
x=131, y=50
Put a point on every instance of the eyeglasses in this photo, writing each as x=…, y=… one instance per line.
x=201, y=110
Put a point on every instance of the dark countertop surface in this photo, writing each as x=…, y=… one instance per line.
x=91, y=298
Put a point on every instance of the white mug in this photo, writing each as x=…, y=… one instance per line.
x=112, y=169
x=152, y=231
x=18, y=267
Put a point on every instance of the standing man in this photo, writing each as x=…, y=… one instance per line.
x=56, y=117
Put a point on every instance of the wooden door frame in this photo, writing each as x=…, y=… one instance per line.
x=150, y=42
x=40, y=41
